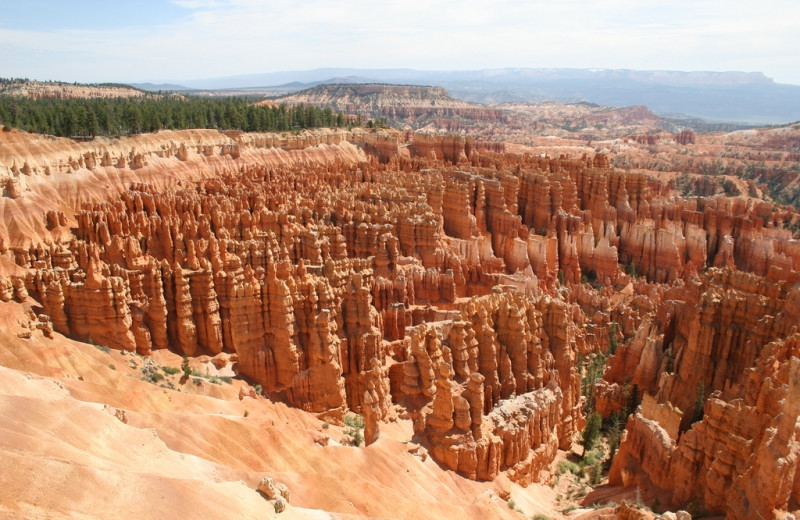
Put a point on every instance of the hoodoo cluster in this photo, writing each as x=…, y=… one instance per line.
x=453, y=282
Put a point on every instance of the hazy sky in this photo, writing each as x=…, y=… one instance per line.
x=150, y=40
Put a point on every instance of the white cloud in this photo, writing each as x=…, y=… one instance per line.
x=248, y=36
x=197, y=4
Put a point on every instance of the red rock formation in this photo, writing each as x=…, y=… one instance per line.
x=496, y=389
x=345, y=281
x=720, y=454
x=685, y=137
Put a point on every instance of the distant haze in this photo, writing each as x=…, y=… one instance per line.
x=716, y=96
x=180, y=40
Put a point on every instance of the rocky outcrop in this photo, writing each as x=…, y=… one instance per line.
x=432, y=147
x=685, y=137
x=734, y=345
x=496, y=388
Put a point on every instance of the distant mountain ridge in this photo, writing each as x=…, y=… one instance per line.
x=154, y=87
x=748, y=97
x=24, y=88
x=416, y=105
x=374, y=95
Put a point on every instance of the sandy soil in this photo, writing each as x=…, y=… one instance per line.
x=199, y=451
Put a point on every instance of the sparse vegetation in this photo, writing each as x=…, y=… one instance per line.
x=354, y=420
x=631, y=270
x=154, y=377
x=101, y=348
x=355, y=423
x=591, y=432
x=612, y=338
x=631, y=399
x=699, y=402
x=187, y=369
x=684, y=184
x=616, y=425
x=378, y=123
x=656, y=507
x=566, y=466
x=670, y=355
x=356, y=436
x=592, y=371
x=589, y=470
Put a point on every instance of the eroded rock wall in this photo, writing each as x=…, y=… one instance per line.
x=724, y=398
x=447, y=275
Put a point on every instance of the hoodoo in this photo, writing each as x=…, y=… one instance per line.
x=474, y=299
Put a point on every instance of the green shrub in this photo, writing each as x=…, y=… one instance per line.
x=612, y=338
x=593, y=456
x=356, y=424
x=566, y=466
x=170, y=371
x=632, y=400
x=596, y=474
x=592, y=371
x=615, y=426
x=700, y=400
x=631, y=269
x=591, y=432
x=354, y=420
x=186, y=367
x=356, y=436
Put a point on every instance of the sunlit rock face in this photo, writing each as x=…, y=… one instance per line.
x=434, y=276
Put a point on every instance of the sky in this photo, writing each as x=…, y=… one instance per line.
x=174, y=40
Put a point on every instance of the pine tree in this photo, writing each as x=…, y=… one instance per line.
x=591, y=432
